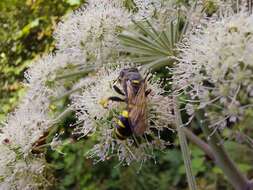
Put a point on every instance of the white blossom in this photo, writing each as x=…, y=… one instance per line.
x=27, y=124
x=96, y=90
x=215, y=67
x=30, y=119
x=93, y=30
x=43, y=72
x=19, y=172
x=146, y=8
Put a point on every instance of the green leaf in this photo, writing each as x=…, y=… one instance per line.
x=149, y=46
x=217, y=170
x=26, y=29
x=196, y=152
x=198, y=165
x=245, y=167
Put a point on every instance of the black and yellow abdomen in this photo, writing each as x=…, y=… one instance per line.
x=123, y=128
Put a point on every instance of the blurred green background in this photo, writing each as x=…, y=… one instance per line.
x=25, y=34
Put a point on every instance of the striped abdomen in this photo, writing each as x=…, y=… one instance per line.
x=123, y=128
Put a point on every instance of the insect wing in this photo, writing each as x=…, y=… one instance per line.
x=137, y=109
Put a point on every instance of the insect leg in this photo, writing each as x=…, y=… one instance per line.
x=147, y=92
x=105, y=102
x=118, y=90
x=116, y=99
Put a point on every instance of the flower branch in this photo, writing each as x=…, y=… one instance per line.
x=183, y=145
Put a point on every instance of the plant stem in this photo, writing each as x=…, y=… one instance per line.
x=186, y=25
x=222, y=159
x=75, y=73
x=200, y=143
x=66, y=94
x=184, y=146
x=62, y=115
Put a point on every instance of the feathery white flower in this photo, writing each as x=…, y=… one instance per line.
x=24, y=174
x=216, y=68
x=96, y=119
x=30, y=120
x=96, y=89
x=18, y=172
x=146, y=8
x=93, y=30
x=27, y=124
x=7, y=156
x=45, y=70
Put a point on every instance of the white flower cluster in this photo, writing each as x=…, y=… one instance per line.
x=96, y=119
x=19, y=168
x=93, y=29
x=30, y=120
x=18, y=172
x=146, y=8
x=216, y=68
x=159, y=12
x=25, y=126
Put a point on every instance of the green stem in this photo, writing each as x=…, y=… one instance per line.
x=186, y=25
x=66, y=94
x=222, y=159
x=184, y=146
x=75, y=73
x=156, y=65
x=62, y=115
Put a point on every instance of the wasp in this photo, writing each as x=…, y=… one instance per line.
x=132, y=120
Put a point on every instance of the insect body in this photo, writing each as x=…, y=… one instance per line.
x=133, y=120
x=123, y=126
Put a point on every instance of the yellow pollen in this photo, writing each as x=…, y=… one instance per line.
x=104, y=102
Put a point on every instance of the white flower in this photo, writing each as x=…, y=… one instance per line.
x=95, y=118
x=6, y=158
x=44, y=70
x=215, y=67
x=18, y=171
x=93, y=30
x=96, y=90
x=27, y=124
x=25, y=174
x=146, y=8
x=30, y=119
